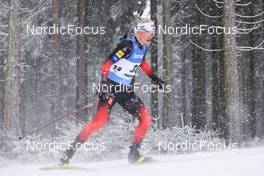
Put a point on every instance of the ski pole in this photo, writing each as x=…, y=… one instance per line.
x=87, y=106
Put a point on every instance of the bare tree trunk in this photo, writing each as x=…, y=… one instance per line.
x=22, y=84
x=56, y=79
x=12, y=82
x=81, y=90
x=218, y=117
x=259, y=94
x=183, y=110
x=3, y=55
x=188, y=87
x=218, y=121
x=198, y=72
x=252, y=93
x=231, y=91
x=167, y=107
x=154, y=63
x=250, y=84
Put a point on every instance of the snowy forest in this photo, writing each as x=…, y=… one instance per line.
x=210, y=51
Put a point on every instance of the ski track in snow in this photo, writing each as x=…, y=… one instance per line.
x=244, y=162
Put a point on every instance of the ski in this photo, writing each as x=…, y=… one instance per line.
x=65, y=167
x=145, y=160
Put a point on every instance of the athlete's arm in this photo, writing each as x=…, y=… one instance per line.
x=145, y=67
x=148, y=71
x=105, y=70
x=122, y=50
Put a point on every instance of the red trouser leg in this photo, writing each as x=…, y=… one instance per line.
x=100, y=119
x=144, y=123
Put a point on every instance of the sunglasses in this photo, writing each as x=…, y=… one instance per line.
x=150, y=33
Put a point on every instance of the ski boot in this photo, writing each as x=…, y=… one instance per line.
x=134, y=157
x=65, y=160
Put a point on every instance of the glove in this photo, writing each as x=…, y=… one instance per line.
x=104, y=93
x=158, y=81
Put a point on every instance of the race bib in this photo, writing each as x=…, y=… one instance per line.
x=124, y=69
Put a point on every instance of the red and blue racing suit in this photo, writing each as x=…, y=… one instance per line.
x=120, y=68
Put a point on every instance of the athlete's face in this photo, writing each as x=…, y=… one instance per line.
x=145, y=37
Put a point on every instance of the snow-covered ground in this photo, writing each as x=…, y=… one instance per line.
x=244, y=162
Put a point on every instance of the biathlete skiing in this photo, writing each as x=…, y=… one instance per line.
x=119, y=69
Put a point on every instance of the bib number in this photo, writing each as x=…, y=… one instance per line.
x=117, y=68
x=124, y=69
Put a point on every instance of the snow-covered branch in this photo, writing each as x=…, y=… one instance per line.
x=4, y=26
x=179, y=11
x=246, y=31
x=254, y=16
x=240, y=48
x=208, y=50
x=39, y=8
x=218, y=4
x=3, y=34
x=5, y=7
x=246, y=4
x=247, y=22
x=206, y=15
x=248, y=48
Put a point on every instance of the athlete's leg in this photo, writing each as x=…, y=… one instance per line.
x=136, y=107
x=99, y=120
